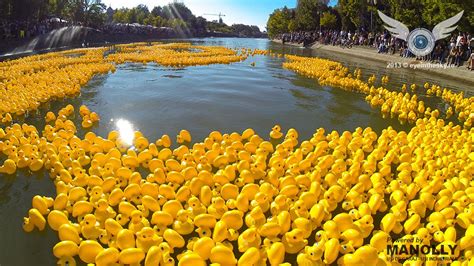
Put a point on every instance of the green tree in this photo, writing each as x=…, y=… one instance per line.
x=59, y=8
x=90, y=12
x=141, y=13
x=279, y=22
x=177, y=10
x=328, y=20
x=157, y=11
x=121, y=15
x=308, y=14
x=408, y=11
x=246, y=30
x=29, y=10
x=354, y=14
x=435, y=11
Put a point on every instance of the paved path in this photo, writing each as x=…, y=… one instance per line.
x=460, y=73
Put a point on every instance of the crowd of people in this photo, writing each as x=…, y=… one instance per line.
x=454, y=51
x=17, y=30
x=135, y=28
x=11, y=30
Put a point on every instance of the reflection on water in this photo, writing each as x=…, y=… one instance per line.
x=217, y=97
x=172, y=76
x=126, y=131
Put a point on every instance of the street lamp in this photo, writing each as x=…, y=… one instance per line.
x=319, y=14
x=372, y=3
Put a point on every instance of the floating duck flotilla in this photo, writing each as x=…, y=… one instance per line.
x=28, y=82
x=202, y=198
x=350, y=198
x=401, y=105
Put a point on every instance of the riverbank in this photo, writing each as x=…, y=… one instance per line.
x=460, y=73
x=76, y=37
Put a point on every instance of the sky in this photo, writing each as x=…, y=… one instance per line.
x=250, y=12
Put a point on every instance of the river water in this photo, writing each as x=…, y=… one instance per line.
x=228, y=98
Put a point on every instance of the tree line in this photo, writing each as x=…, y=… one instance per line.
x=90, y=12
x=362, y=15
x=94, y=13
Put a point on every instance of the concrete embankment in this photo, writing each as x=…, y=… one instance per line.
x=459, y=73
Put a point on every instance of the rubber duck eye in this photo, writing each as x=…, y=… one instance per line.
x=344, y=247
x=170, y=260
x=311, y=254
x=162, y=248
x=294, y=237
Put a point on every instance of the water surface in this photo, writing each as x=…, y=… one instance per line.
x=228, y=98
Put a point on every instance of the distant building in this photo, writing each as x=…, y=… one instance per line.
x=110, y=14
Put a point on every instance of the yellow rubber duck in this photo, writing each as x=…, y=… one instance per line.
x=249, y=238
x=8, y=167
x=191, y=258
x=146, y=238
x=294, y=241
x=131, y=256
x=69, y=232
x=183, y=223
x=107, y=256
x=223, y=255
x=66, y=250
x=125, y=239
x=250, y=257
x=56, y=219
x=183, y=137
x=161, y=220
x=34, y=220
x=88, y=250
x=312, y=255
x=276, y=132
x=90, y=228
x=174, y=239
x=331, y=250
x=103, y=211
x=137, y=221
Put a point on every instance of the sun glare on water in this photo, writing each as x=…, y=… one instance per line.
x=126, y=131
